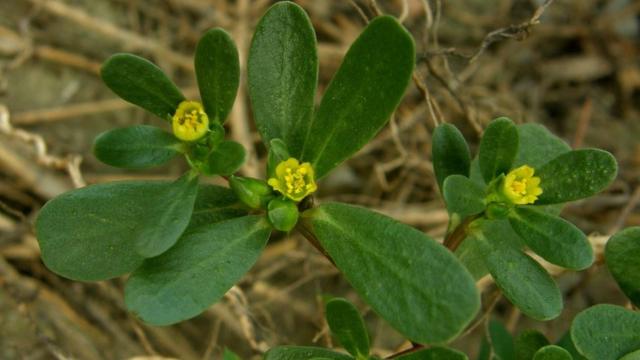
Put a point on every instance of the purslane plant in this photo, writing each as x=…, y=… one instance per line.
x=185, y=243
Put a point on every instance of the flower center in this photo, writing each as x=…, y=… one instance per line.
x=294, y=180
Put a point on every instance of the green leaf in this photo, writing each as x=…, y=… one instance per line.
x=498, y=148
x=575, y=175
x=538, y=146
x=348, y=327
x=283, y=75
x=523, y=281
x=197, y=271
x=552, y=352
x=218, y=73
x=403, y=274
x=213, y=204
x=229, y=355
x=555, y=239
x=362, y=95
x=136, y=147
x=632, y=356
x=606, y=332
x=141, y=83
x=102, y=231
x=226, y=159
x=501, y=341
x=621, y=254
x=434, y=353
x=566, y=343
x=484, y=353
x=303, y=352
x=463, y=196
x=450, y=153
x=527, y=343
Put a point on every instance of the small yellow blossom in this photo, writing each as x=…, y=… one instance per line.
x=294, y=180
x=521, y=187
x=190, y=122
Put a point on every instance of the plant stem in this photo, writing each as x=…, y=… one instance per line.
x=457, y=236
x=309, y=235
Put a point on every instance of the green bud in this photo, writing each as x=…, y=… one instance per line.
x=252, y=192
x=278, y=153
x=498, y=210
x=283, y=214
x=216, y=134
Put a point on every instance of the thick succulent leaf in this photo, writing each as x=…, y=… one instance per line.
x=576, y=175
x=403, y=274
x=218, y=73
x=213, y=204
x=104, y=231
x=538, y=146
x=141, y=83
x=498, y=148
x=552, y=352
x=226, y=159
x=229, y=355
x=555, y=239
x=527, y=343
x=463, y=196
x=303, y=352
x=197, y=271
x=283, y=75
x=434, y=353
x=136, y=147
x=522, y=280
x=450, y=153
x=606, y=332
x=362, y=95
x=348, y=327
x=635, y=355
x=622, y=254
x=501, y=341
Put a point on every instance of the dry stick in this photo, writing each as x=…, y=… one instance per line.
x=583, y=123
x=241, y=131
x=67, y=58
x=131, y=39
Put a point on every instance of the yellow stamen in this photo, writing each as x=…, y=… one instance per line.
x=294, y=180
x=190, y=122
x=521, y=187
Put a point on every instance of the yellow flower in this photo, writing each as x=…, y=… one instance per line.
x=190, y=122
x=521, y=187
x=294, y=180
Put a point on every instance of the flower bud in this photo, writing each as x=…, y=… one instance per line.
x=252, y=192
x=282, y=214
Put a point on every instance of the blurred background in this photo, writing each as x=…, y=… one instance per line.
x=572, y=65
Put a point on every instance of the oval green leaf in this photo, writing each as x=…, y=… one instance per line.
x=141, y=83
x=97, y=232
x=498, y=148
x=403, y=274
x=283, y=74
x=606, y=332
x=576, y=175
x=552, y=352
x=348, y=327
x=537, y=146
x=450, y=153
x=362, y=95
x=218, y=73
x=632, y=356
x=197, y=271
x=214, y=204
x=226, y=159
x=501, y=341
x=621, y=254
x=434, y=353
x=523, y=281
x=555, y=239
x=303, y=352
x=463, y=196
x=136, y=147
x=527, y=343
